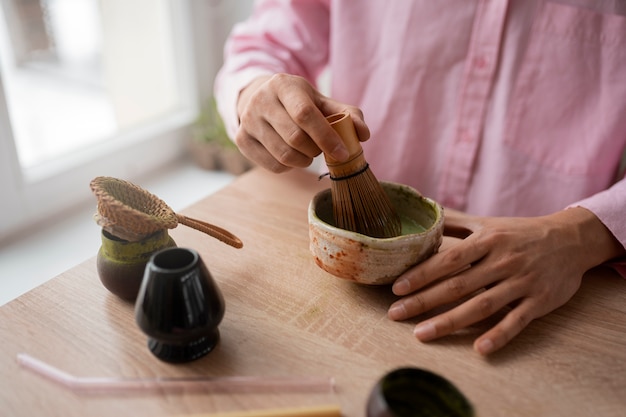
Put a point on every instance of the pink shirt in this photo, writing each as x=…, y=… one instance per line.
x=493, y=107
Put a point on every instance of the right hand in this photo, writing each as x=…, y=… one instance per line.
x=283, y=123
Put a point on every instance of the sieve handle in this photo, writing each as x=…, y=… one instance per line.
x=211, y=230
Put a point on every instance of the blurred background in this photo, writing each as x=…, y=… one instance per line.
x=100, y=87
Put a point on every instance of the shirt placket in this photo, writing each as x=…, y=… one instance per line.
x=475, y=88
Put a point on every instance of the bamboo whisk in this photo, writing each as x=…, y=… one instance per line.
x=360, y=204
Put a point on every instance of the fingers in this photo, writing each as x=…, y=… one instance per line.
x=270, y=150
x=511, y=261
x=476, y=309
x=502, y=333
x=255, y=151
x=305, y=114
x=264, y=123
x=443, y=264
x=447, y=291
x=283, y=123
x=424, y=294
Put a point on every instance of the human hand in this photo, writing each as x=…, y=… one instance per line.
x=534, y=265
x=283, y=125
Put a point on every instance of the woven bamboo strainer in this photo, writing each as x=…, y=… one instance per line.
x=132, y=213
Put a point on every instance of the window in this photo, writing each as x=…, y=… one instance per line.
x=98, y=87
x=67, y=89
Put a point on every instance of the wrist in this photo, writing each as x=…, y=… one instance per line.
x=595, y=241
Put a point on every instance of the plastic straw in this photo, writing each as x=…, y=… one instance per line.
x=313, y=411
x=234, y=384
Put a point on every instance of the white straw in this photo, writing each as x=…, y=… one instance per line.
x=216, y=384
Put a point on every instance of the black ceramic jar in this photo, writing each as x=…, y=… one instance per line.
x=414, y=392
x=179, y=306
x=121, y=264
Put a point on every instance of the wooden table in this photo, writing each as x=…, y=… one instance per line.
x=287, y=317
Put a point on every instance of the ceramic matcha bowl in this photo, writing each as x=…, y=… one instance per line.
x=376, y=261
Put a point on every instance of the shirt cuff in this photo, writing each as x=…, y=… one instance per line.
x=608, y=206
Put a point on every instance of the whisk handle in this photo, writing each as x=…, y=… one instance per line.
x=211, y=230
x=343, y=125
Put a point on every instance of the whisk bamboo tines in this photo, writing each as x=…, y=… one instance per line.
x=132, y=213
x=360, y=204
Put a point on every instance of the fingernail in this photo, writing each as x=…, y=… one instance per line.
x=425, y=331
x=397, y=312
x=485, y=346
x=401, y=287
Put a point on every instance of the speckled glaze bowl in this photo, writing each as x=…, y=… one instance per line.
x=376, y=261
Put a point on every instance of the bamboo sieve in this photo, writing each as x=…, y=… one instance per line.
x=132, y=213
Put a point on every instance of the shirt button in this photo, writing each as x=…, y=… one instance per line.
x=481, y=62
x=466, y=136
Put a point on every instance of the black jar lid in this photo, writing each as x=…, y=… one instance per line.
x=414, y=392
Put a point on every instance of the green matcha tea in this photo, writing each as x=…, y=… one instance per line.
x=411, y=226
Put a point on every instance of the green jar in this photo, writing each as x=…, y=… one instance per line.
x=121, y=264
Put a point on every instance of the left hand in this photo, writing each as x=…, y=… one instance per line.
x=534, y=264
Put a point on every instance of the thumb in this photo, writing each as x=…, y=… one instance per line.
x=459, y=224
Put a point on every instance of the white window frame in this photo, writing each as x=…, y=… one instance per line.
x=31, y=198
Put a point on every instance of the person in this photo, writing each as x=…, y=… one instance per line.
x=508, y=113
